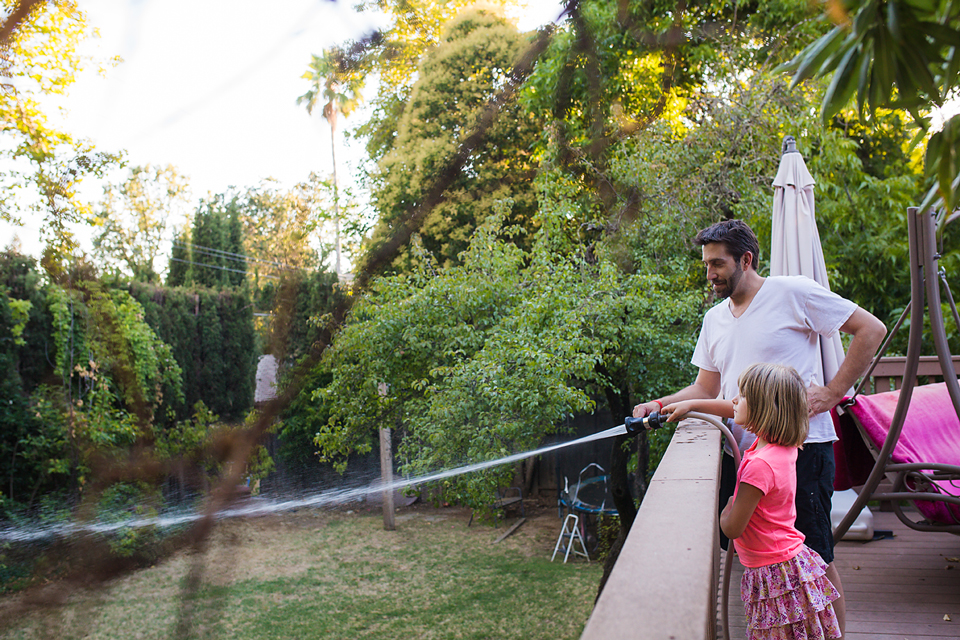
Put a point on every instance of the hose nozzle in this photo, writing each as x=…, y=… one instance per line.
x=635, y=425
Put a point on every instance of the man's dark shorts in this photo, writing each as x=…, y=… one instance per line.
x=815, y=471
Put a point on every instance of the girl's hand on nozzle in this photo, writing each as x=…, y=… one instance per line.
x=676, y=410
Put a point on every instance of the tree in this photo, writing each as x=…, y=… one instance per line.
x=134, y=216
x=44, y=165
x=211, y=335
x=723, y=165
x=279, y=226
x=392, y=56
x=487, y=357
x=894, y=55
x=215, y=248
x=616, y=69
x=341, y=90
x=178, y=269
x=114, y=374
x=456, y=82
x=286, y=267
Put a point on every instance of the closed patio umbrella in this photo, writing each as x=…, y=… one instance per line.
x=795, y=248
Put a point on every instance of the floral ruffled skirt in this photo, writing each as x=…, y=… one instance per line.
x=790, y=600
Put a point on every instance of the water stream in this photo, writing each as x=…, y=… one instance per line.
x=262, y=506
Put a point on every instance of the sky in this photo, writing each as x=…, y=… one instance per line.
x=210, y=86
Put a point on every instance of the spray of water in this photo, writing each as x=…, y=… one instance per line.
x=327, y=498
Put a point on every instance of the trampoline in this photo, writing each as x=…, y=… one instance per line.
x=591, y=495
x=589, y=498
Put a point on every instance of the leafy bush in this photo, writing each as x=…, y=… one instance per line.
x=478, y=361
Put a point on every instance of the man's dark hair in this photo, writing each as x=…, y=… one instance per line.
x=736, y=236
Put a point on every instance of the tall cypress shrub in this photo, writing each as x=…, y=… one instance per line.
x=212, y=337
x=217, y=244
x=179, y=272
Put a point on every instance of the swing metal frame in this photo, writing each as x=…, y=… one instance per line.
x=925, y=301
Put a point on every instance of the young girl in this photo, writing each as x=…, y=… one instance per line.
x=785, y=592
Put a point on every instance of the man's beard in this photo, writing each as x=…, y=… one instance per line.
x=730, y=284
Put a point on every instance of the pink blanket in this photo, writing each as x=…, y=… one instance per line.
x=931, y=433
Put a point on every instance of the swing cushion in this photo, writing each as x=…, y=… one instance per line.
x=931, y=433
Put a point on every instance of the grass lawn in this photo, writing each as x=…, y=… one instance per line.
x=324, y=574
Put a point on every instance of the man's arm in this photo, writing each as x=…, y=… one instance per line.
x=706, y=386
x=868, y=333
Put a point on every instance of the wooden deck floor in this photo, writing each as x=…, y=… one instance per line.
x=896, y=589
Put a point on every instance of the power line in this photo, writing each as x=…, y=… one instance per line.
x=214, y=266
x=219, y=253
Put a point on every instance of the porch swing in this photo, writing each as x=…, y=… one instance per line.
x=912, y=433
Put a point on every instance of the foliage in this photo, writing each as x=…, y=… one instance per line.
x=278, y=226
x=134, y=217
x=187, y=439
x=724, y=165
x=47, y=460
x=103, y=346
x=331, y=83
x=299, y=303
x=118, y=505
x=456, y=80
x=392, y=56
x=19, y=418
x=302, y=419
x=296, y=228
x=24, y=328
x=193, y=443
x=341, y=90
x=115, y=373
x=21, y=288
x=608, y=527
x=901, y=55
x=211, y=337
x=486, y=358
x=44, y=165
x=213, y=254
x=616, y=69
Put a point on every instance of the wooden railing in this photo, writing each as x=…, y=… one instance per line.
x=664, y=584
x=888, y=374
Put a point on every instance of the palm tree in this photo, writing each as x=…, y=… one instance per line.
x=331, y=81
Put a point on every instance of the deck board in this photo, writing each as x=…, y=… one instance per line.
x=896, y=589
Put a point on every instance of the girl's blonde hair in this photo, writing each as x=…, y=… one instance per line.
x=776, y=403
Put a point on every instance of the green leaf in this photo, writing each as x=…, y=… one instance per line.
x=809, y=62
x=842, y=86
x=893, y=21
x=941, y=34
x=916, y=67
x=952, y=71
x=864, y=77
x=885, y=64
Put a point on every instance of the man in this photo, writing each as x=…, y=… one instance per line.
x=777, y=319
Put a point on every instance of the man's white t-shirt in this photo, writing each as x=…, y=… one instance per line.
x=781, y=325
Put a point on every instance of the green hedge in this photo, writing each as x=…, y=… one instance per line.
x=212, y=336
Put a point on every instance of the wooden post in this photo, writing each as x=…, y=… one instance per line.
x=386, y=476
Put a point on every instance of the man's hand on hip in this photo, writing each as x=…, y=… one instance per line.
x=820, y=399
